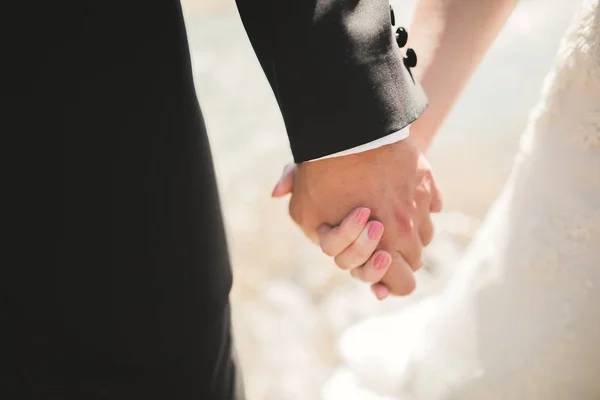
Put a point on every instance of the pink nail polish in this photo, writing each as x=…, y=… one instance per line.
x=380, y=261
x=363, y=216
x=375, y=230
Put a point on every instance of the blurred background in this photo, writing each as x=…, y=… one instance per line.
x=291, y=303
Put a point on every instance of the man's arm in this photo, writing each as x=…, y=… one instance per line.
x=336, y=71
x=341, y=81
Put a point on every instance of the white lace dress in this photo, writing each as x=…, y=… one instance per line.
x=521, y=318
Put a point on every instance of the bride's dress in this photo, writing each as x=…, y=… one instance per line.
x=521, y=317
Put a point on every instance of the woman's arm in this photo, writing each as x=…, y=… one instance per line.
x=452, y=37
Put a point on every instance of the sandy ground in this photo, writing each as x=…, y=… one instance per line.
x=290, y=303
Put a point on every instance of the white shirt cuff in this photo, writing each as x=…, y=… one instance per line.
x=389, y=139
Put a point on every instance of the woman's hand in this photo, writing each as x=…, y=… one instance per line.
x=352, y=244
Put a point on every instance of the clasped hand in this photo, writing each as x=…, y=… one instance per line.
x=370, y=211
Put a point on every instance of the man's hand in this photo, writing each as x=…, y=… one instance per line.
x=394, y=181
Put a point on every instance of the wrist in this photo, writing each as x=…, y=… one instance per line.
x=393, y=137
x=363, y=163
x=423, y=131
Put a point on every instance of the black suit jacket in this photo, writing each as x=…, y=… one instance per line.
x=130, y=301
x=335, y=69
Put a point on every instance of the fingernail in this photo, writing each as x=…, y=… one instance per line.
x=375, y=230
x=380, y=261
x=363, y=216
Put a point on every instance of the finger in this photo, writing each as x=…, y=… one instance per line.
x=380, y=291
x=422, y=199
x=335, y=240
x=286, y=182
x=362, y=248
x=426, y=231
x=399, y=279
x=412, y=251
x=423, y=224
x=374, y=269
x=436, y=197
x=407, y=242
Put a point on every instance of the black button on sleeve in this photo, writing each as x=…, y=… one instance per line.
x=410, y=61
x=401, y=37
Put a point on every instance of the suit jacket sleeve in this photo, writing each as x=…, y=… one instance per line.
x=335, y=69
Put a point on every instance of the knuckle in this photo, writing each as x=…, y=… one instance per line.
x=328, y=250
x=416, y=259
x=439, y=204
x=348, y=226
x=416, y=264
x=418, y=254
x=428, y=236
x=341, y=263
x=427, y=172
x=356, y=273
x=363, y=254
x=340, y=266
x=359, y=253
x=402, y=216
x=409, y=287
x=371, y=277
x=421, y=194
x=352, y=265
x=429, y=175
x=347, y=236
x=294, y=211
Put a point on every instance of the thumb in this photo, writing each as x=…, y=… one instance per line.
x=286, y=182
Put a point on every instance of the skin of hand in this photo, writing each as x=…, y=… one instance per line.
x=394, y=181
x=452, y=36
x=354, y=242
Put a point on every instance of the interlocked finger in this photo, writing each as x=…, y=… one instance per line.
x=374, y=270
x=334, y=241
x=359, y=252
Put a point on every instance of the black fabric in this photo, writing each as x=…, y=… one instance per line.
x=206, y=371
x=130, y=297
x=335, y=69
x=132, y=301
